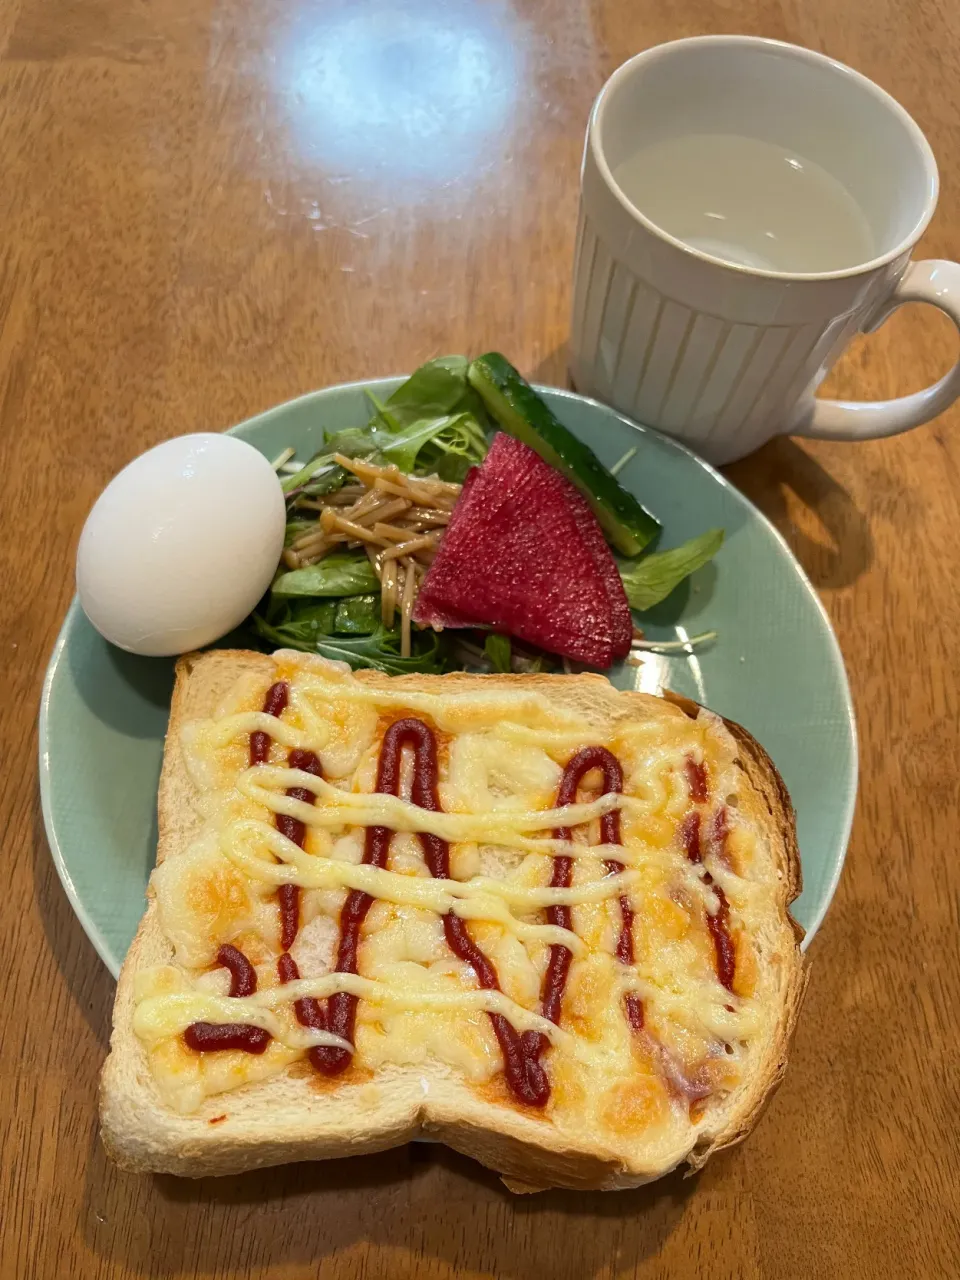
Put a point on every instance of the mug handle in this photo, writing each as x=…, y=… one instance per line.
x=934, y=281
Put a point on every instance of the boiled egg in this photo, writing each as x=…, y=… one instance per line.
x=181, y=544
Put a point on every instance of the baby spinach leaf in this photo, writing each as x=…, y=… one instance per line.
x=341, y=573
x=436, y=388
x=357, y=615
x=353, y=442
x=297, y=624
x=320, y=475
x=438, y=394
x=497, y=649
x=650, y=579
x=402, y=447
x=453, y=441
x=381, y=651
x=295, y=528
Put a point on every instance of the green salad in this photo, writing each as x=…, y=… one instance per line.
x=365, y=516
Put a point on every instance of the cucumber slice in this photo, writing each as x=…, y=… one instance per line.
x=519, y=411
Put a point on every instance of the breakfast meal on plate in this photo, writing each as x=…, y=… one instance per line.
x=419, y=873
x=463, y=527
x=530, y=916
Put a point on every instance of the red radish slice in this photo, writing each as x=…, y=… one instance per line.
x=514, y=558
x=596, y=544
x=425, y=612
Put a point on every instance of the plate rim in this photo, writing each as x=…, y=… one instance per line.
x=92, y=930
x=89, y=926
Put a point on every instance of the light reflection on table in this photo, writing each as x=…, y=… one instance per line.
x=402, y=100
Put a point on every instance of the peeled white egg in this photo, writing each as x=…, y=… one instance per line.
x=181, y=545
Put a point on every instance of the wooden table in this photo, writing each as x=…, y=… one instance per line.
x=207, y=208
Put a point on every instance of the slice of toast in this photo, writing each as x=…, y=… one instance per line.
x=626, y=1103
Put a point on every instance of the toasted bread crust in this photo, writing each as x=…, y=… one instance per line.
x=288, y=1119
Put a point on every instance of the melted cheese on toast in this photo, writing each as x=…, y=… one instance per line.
x=502, y=755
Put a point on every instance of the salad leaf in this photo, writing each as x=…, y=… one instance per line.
x=436, y=388
x=353, y=442
x=341, y=573
x=320, y=475
x=437, y=420
x=497, y=649
x=402, y=447
x=357, y=615
x=295, y=528
x=433, y=422
x=381, y=651
x=296, y=625
x=453, y=451
x=449, y=444
x=651, y=579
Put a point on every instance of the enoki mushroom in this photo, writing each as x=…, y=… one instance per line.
x=397, y=519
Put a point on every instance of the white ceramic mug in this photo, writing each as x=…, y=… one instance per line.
x=725, y=356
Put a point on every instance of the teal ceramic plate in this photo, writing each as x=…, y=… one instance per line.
x=775, y=667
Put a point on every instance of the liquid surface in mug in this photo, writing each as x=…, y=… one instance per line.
x=747, y=201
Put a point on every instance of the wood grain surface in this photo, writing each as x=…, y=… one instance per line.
x=209, y=206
